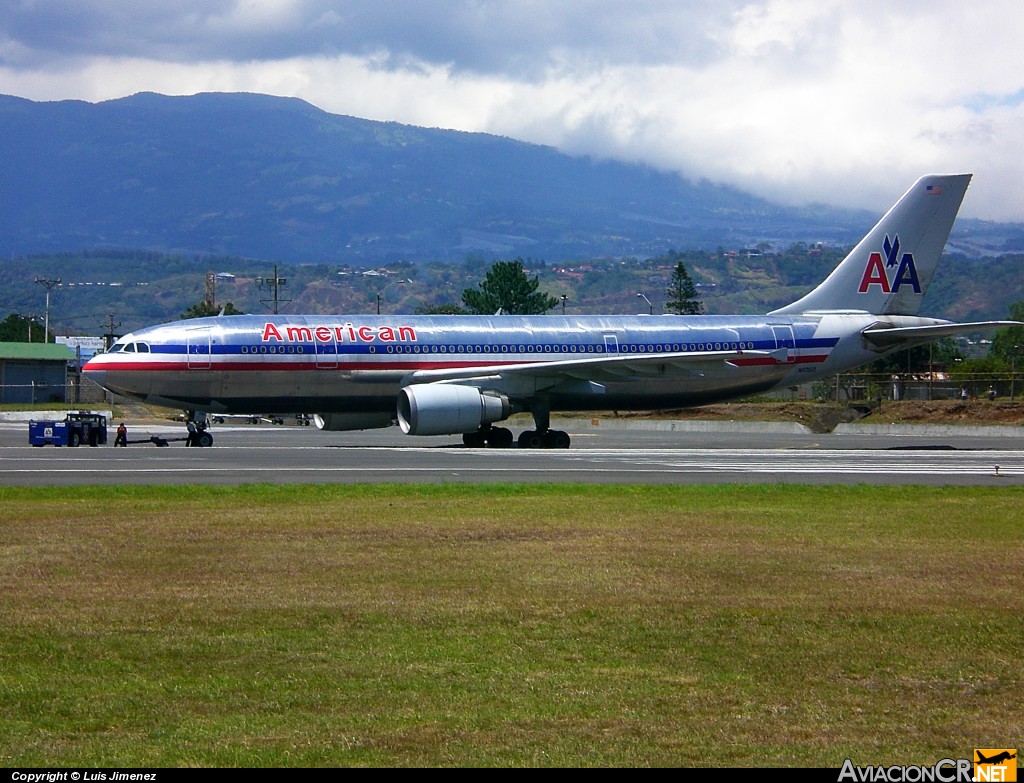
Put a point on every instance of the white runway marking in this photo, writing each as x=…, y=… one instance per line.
x=425, y=461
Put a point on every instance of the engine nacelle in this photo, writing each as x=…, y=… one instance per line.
x=342, y=422
x=448, y=409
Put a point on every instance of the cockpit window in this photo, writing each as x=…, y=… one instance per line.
x=130, y=348
x=143, y=347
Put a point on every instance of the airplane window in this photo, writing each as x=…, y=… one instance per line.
x=143, y=347
x=373, y=349
x=650, y=349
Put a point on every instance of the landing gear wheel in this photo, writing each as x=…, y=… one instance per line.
x=474, y=440
x=499, y=438
x=530, y=439
x=204, y=439
x=556, y=439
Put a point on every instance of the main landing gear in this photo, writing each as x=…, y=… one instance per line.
x=546, y=439
x=501, y=438
x=491, y=437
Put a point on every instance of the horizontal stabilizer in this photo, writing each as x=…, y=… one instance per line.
x=888, y=336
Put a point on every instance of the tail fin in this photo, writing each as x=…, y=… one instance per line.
x=888, y=272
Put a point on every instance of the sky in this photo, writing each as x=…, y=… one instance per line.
x=843, y=102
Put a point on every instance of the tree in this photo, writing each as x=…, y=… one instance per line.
x=204, y=309
x=15, y=329
x=1008, y=344
x=443, y=309
x=682, y=293
x=507, y=288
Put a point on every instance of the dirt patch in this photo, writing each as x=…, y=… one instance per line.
x=823, y=417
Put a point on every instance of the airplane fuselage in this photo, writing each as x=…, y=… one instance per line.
x=325, y=364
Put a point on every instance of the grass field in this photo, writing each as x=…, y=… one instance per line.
x=509, y=625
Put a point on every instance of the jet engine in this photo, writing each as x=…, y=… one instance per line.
x=341, y=422
x=448, y=409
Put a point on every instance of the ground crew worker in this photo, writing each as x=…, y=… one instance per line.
x=122, y=435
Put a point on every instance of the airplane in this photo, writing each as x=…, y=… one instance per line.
x=462, y=375
x=999, y=758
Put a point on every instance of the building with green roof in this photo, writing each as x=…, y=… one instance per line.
x=34, y=372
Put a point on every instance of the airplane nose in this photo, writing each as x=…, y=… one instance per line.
x=94, y=373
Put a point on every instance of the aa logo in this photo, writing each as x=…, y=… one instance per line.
x=995, y=764
x=892, y=272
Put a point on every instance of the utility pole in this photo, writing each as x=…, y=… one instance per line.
x=274, y=283
x=111, y=326
x=210, y=294
x=47, y=284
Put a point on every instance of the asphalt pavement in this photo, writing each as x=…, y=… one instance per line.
x=603, y=451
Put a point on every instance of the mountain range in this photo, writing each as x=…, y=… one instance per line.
x=277, y=178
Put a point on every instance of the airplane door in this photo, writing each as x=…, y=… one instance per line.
x=326, y=354
x=198, y=348
x=611, y=343
x=784, y=338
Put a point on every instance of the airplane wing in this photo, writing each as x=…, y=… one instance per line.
x=525, y=377
x=887, y=336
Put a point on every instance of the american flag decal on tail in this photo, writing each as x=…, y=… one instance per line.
x=934, y=190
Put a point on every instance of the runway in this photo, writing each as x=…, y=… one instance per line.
x=289, y=454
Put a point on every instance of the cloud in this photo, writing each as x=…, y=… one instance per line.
x=797, y=100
